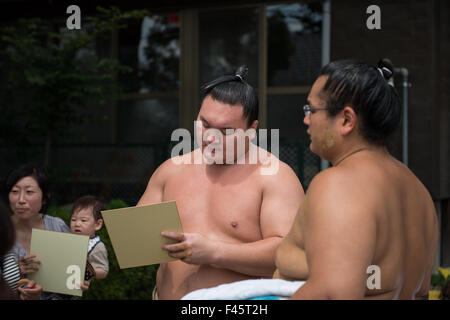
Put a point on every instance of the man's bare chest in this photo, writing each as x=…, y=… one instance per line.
x=230, y=211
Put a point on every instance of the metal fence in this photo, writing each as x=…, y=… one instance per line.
x=123, y=171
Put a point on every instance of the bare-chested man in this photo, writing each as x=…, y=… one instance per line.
x=368, y=209
x=233, y=217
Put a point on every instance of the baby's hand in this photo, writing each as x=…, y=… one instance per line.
x=85, y=285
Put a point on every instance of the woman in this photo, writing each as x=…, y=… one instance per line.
x=29, y=196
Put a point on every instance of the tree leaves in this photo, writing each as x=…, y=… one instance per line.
x=50, y=75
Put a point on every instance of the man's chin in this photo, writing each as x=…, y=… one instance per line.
x=313, y=149
x=320, y=153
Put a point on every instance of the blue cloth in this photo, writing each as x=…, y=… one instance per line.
x=266, y=298
x=252, y=289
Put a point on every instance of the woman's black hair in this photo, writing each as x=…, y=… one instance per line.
x=35, y=171
x=365, y=88
x=234, y=90
x=7, y=240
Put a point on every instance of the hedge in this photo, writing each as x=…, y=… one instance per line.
x=126, y=284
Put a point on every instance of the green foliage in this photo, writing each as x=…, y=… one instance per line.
x=129, y=284
x=51, y=75
x=60, y=212
x=441, y=281
x=437, y=279
x=116, y=204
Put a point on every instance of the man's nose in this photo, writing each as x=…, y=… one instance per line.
x=210, y=138
x=306, y=119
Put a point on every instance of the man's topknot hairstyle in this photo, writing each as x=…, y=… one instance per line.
x=365, y=88
x=234, y=90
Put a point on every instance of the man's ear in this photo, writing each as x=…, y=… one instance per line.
x=253, y=126
x=349, y=120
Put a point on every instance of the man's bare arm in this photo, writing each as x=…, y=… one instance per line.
x=253, y=258
x=340, y=236
x=291, y=256
x=155, y=188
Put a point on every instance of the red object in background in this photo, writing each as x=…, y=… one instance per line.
x=174, y=18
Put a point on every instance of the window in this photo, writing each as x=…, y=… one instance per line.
x=149, y=111
x=147, y=121
x=294, y=44
x=151, y=47
x=294, y=60
x=227, y=39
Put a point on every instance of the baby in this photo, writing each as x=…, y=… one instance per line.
x=86, y=219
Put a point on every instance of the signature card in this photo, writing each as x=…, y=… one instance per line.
x=63, y=260
x=135, y=233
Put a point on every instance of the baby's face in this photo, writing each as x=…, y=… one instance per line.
x=83, y=222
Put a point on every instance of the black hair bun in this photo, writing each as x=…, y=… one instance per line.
x=242, y=71
x=386, y=67
x=240, y=75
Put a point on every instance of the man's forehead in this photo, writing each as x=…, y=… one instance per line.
x=319, y=84
x=220, y=114
x=216, y=122
x=316, y=95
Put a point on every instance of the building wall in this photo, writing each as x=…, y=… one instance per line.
x=410, y=36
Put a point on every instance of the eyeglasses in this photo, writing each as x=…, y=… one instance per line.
x=307, y=109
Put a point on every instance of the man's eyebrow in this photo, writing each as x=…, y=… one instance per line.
x=208, y=124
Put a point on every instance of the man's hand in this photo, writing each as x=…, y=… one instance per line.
x=28, y=264
x=193, y=248
x=31, y=292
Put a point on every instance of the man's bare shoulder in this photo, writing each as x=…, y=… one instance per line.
x=337, y=183
x=174, y=166
x=326, y=176
x=183, y=161
x=275, y=172
x=336, y=205
x=270, y=165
